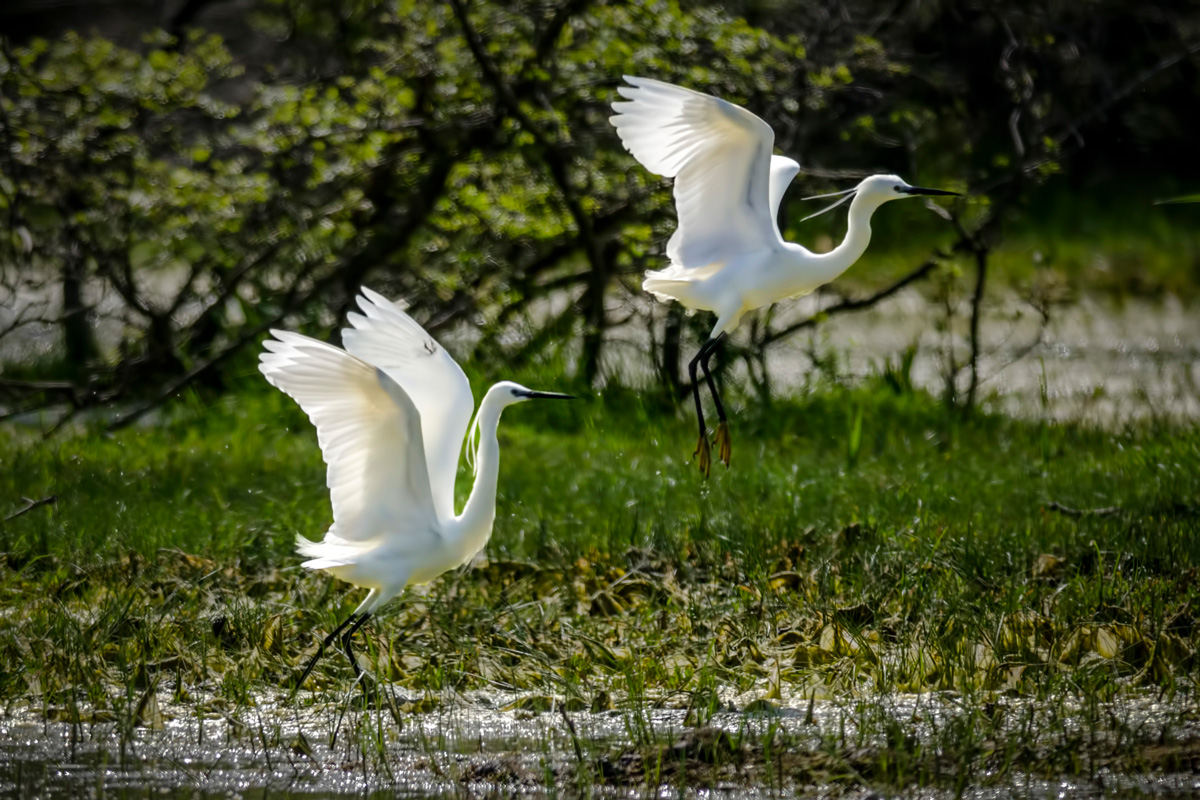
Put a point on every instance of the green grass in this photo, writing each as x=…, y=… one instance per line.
x=865, y=543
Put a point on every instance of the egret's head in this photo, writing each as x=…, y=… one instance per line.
x=509, y=393
x=499, y=397
x=883, y=188
x=877, y=190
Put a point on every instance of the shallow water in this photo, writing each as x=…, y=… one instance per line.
x=323, y=749
x=1100, y=361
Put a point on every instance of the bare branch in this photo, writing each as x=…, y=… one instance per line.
x=853, y=304
x=30, y=505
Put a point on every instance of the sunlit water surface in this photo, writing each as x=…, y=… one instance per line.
x=473, y=747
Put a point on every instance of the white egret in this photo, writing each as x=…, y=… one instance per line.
x=727, y=254
x=391, y=411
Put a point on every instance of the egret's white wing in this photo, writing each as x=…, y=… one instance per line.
x=720, y=157
x=370, y=436
x=390, y=339
x=783, y=170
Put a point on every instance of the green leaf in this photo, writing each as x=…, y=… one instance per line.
x=1187, y=198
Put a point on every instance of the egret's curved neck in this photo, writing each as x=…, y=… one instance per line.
x=474, y=525
x=858, y=236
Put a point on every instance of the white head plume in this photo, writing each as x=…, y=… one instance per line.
x=845, y=194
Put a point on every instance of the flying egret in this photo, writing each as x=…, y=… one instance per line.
x=727, y=255
x=391, y=411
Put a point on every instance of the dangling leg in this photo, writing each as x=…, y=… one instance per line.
x=702, y=448
x=358, y=670
x=724, y=450
x=355, y=621
x=326, y=642
x=373, y=600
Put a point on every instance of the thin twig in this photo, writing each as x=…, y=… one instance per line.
x=181, y=382
x=30, y=505
x=1131, y=86
x=981, y=268
x=64, y=387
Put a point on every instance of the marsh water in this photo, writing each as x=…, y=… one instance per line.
x=1098, y=359
x=484, y=744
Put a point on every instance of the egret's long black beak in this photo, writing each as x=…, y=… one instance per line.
x=547, y=396
x=934, y=192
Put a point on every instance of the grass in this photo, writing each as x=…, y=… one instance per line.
x=866, y=545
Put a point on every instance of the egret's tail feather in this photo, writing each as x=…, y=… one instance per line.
x=679, y=283
x=665, y=288
x=332, y=552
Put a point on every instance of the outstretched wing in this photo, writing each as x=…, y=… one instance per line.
x=370, y=436
x=720, y=157
x=386, y=337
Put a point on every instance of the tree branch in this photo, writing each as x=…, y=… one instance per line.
x=30, y=505
x=852, y=304
x=551, y=154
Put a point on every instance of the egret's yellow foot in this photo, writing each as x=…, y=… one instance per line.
x=702, y=450
x=724, y=448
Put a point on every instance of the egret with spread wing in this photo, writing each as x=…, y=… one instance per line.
x=727, y=254
x=391, y=411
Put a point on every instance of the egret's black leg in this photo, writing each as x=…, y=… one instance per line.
x=358, y=671
x=724, y=449
x=707, y=353
x=702, y=447
x=326, y=642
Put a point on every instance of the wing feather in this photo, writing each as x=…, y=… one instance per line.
x=369, y=432
x=384, y=336
x=720, y=157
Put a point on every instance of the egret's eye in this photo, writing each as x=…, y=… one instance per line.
x=899, y=189
x=514, y=392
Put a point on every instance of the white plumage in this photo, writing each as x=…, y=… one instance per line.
x=728, y=186
x=391, y=411
x=370, y=436
x=388, y=338
x=727, y=254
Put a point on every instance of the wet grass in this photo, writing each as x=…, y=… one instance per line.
x=867, y=545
